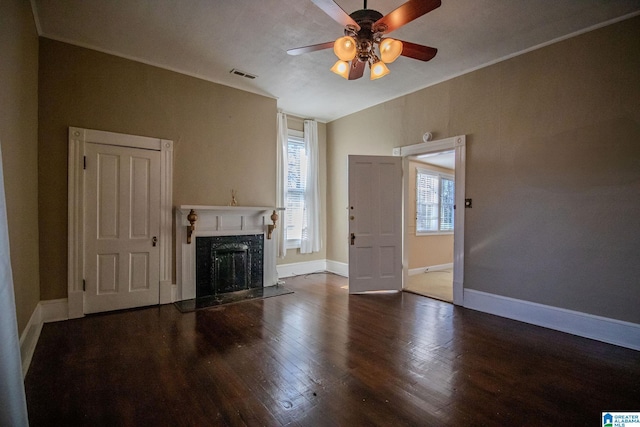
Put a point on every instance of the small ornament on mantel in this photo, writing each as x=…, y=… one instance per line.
x=233, y=201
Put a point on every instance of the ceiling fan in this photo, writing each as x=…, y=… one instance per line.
x=363, y=38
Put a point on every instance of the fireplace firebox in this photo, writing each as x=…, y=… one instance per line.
x=228, y=264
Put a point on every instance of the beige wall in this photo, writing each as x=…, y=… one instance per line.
x=344, y=137
x=294, y=255
x=425, y=250
x=224, y=138
x=19, y=138
x=553, y=167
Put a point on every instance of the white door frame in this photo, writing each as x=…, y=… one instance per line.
x=75, y=266
x=458, y=145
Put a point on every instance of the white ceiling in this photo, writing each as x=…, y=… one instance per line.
x=445, y=159
x=207, y=38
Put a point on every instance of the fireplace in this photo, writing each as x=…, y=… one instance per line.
x=228, y=264
x=226, y=230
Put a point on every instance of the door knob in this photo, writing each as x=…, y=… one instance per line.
x=353, y=239
x=154, y=241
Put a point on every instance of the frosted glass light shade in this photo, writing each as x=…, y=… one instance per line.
x=345, y=48
x=390, y=49
x=378, y=70
x=341, y=68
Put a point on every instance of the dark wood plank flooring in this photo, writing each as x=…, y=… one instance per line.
x=320, y=357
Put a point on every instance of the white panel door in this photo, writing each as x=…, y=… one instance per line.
x=122, y=220
x=375, y=223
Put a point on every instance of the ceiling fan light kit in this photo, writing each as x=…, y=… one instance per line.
x=378, y=69
x=363, y=42
x=341, y=68
x=345, y=48
x=390, y=50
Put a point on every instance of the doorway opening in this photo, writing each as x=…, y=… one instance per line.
x=431, y=151
x=429, y=225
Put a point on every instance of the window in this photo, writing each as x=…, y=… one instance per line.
x=434, y=202
x=296, y=186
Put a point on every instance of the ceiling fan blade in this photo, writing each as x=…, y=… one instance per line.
x=356, y=70
x=312, y=48
x=406, y=13
x=418, y=51
x=332, y=9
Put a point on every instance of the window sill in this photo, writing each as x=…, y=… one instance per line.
x=293, y=244
x=433, y=233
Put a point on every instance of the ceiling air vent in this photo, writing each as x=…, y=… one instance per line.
x=242, y=74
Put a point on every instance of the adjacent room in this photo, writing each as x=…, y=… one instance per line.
x=430, y=227
x=319, y=212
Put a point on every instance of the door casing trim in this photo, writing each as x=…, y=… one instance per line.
x=76, y=263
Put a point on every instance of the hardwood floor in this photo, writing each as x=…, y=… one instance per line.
x=319, y=357
x=437, y=284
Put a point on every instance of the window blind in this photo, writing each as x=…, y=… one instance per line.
x=434, y=201
x=296, y=186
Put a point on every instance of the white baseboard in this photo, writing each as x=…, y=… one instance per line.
x=29, y=338
x=45, y=311
x=420, y=270
x=298, y=268
x=54, y=310
x=308, y=267
x=612, y=331
x=339, y=268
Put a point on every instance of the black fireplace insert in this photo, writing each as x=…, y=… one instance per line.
x=229, y=264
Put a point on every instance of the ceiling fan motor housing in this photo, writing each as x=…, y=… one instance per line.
x=366, y=17
x=367, y=35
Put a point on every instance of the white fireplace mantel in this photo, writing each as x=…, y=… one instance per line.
x=220, y=221
x=235, y=210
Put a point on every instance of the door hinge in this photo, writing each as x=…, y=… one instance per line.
x=84, y=285
x=84, y=162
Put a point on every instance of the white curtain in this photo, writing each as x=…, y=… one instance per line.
x=311, y=239
x=13, y=406
x=281, y=193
